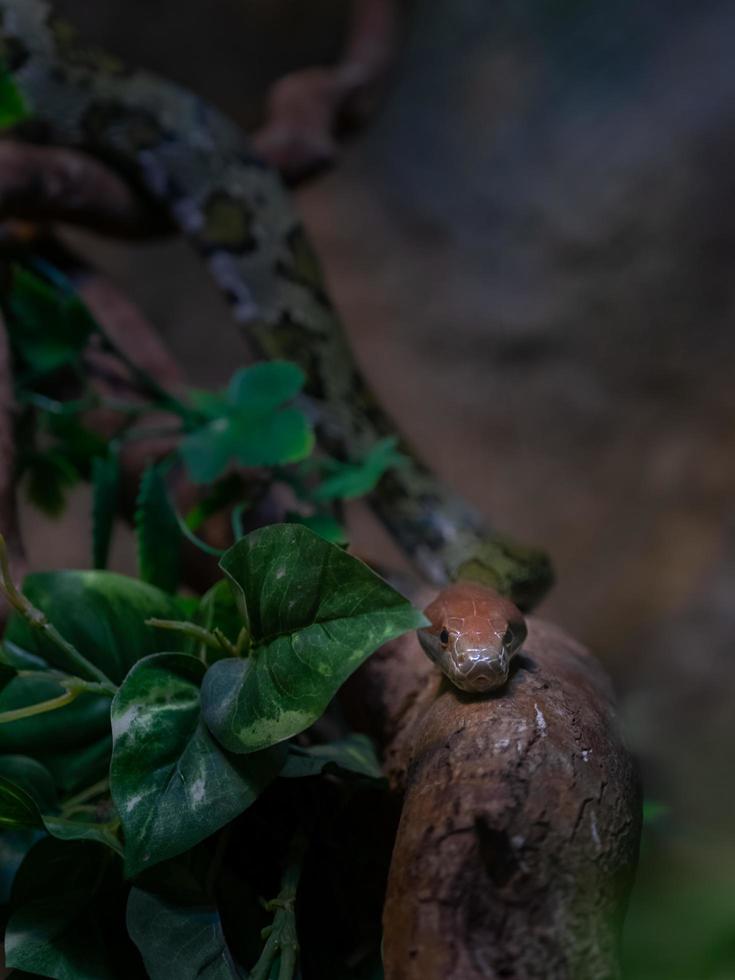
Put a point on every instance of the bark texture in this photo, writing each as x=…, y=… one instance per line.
x=519, y=832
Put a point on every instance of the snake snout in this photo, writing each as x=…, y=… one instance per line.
x=479, y=666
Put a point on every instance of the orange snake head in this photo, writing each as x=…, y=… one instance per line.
x=473, y=635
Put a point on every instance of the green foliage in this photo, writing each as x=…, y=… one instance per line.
x=73, y=440
x=217, y=608
x=179, y=942
x=314, y=614
x=353, y=754
x=48, y=327
x=322, y=524
x=195, y=735
x=103, y=614
x=20, y=809
x=172, y=783
x=105, y=492
x=49, y=475
x=13, y=109
x=80, y=723
x=250, y=424
x=59, y=902
x=158, y=533
x=32, y=777
x=343, y=481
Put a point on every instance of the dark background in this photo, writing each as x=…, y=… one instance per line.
x=532, y=246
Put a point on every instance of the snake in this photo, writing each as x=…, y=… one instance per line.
x=184, y=154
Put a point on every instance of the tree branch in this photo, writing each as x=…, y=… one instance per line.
x=519, y=831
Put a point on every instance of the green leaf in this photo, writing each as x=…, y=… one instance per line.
x=103, y=614
x=105, y=491
x=12, y=105
x=80, y=445
x=48, y=326
x=60, y=898
x=49, y=475
x=217, y=608
x=75, y=725
x=83, y=829
x=251, y=425
x=315, y=614
x=211, y=404
x=265, y=386
x=158, y=533
x=179, y=942
x=206, y=452
x=355, y=754
x=73, y=769
x=349, y=480
x=31, y=776
x=18, y=809
x=172, y=784
x=284, y=437
x=322, y=524
x=14, y=845
x=230, y=490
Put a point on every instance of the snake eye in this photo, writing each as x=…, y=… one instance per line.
x=444, y=636
x=508, y=638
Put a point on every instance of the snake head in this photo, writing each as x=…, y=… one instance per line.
x=473, y=635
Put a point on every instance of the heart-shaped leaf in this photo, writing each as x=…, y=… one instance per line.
x=314, y=614
x=172, y=784
x=179, y=942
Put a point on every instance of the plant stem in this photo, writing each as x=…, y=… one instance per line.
x=226, y=645
x=88, y=793
x=208, y=549
x=164, y=398
x=282, y=938
x=188, y=629
x=241, y=642
x=40, y=708
x=238, y=530
x=70, y=683
x=37, y=619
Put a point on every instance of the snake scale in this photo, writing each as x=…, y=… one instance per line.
x=186, y=155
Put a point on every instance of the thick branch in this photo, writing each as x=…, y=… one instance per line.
x=50, y=183
x=306, y=107
x=519, y=831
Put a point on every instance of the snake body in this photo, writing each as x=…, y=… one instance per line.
x=188, y=156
